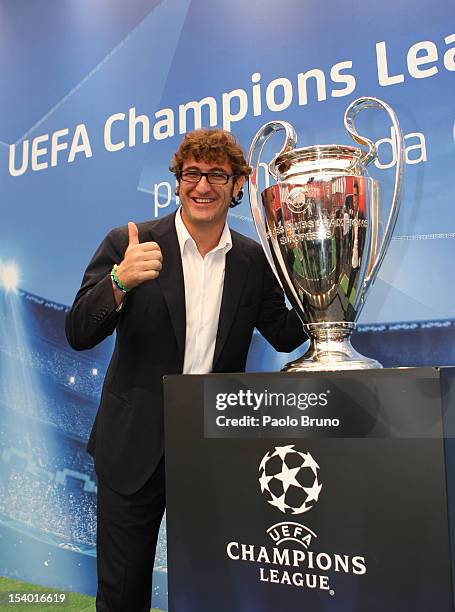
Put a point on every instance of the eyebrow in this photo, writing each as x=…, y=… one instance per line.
x=214, y=169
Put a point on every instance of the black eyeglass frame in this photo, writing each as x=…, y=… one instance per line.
x=207, y=175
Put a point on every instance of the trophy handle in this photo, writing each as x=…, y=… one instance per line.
x=254, y=158
x=349, y=117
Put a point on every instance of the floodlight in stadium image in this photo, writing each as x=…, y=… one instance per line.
x=9, y=276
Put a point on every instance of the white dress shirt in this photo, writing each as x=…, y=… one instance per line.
x=204, y=281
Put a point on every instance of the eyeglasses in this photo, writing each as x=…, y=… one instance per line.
x=214, y=178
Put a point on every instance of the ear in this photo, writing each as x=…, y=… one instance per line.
x=238, y=184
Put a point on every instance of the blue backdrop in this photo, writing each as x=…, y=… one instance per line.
x=93, y=103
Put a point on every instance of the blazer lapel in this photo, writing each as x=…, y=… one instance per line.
x=171, y=280
x=236, y=271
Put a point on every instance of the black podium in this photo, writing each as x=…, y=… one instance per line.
x=322, y=492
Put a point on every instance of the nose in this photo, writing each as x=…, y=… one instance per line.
x=203, y=185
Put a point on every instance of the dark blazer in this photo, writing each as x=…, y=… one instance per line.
x=127, y=436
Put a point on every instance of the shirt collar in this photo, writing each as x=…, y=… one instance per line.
x=184, y=236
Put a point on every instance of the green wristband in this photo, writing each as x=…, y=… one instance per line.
x=116, y=280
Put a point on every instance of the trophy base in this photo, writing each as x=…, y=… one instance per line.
x=331, y=350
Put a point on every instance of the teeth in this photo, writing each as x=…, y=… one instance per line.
x=203, y=200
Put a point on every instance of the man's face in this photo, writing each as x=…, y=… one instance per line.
x=204, y=203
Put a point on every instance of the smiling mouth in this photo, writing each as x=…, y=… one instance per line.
x=203, y=200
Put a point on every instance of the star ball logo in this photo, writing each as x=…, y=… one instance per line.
x=289, y=480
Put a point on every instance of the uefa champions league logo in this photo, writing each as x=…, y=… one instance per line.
x=289, y=480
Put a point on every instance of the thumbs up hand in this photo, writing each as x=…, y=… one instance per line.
x=142, y=260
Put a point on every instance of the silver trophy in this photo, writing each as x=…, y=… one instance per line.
x=324, y=233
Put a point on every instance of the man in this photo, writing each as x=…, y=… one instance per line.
x=356, y=238
x=184, y=294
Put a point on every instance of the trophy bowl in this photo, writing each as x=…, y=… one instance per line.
x=320, y=226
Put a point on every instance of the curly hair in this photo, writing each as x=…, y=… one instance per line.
x=211, y=145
